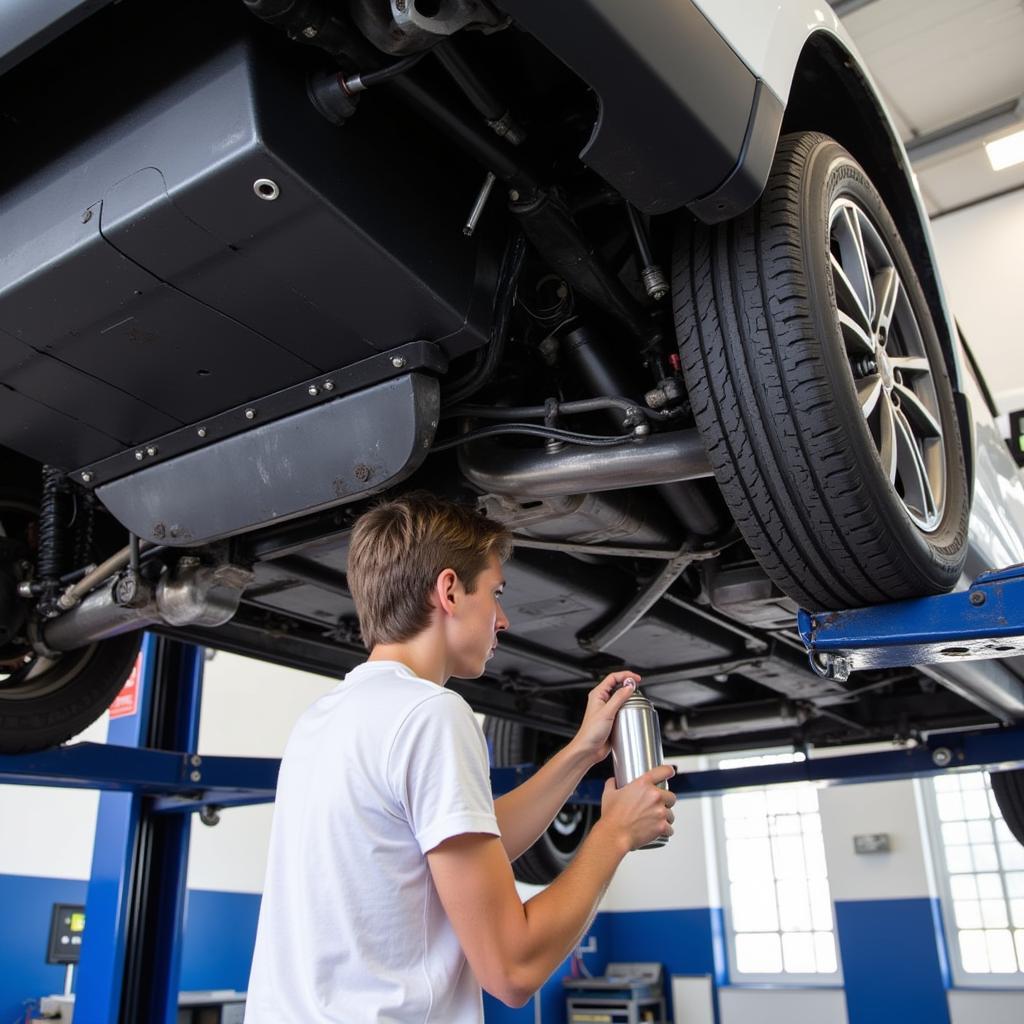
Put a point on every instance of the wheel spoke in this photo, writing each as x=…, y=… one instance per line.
x=886, y=289
x=868, y=390
x=910, y=364
x=847, y=298
x=917, y=414
x=887, y=439
x=917, y=491
x=858, y=342
x=855, y=257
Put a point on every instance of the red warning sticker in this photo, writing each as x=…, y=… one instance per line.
x=127, y=701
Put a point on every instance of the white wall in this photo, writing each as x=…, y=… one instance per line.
x=981, y=260
x=47, y=832
x=890, y=807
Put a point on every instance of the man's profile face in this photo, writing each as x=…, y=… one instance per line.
x=478, y=618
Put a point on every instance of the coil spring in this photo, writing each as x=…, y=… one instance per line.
x=51, y=540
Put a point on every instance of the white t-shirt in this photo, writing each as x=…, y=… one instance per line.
x=376, y=773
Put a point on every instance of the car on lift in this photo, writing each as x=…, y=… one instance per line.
x=650, y=283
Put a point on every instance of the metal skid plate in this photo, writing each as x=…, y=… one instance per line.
x=332, y=453
x=986, y=621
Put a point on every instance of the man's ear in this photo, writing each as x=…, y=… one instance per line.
x=445, y=587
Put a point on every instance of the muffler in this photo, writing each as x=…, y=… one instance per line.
x=194, y=595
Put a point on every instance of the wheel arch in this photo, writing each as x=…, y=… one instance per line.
x=832, y=93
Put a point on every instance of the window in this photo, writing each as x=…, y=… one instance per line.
x=981, y=876
x=776, y=894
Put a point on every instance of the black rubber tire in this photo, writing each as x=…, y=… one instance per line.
x=512, y=744
x=1008, y=789
x=94, y=677
x=77, y=689
x=775, y=401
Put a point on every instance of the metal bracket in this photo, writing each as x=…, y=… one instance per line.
x=985, y=621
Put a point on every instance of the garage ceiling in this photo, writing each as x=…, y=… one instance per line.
x=952, y=74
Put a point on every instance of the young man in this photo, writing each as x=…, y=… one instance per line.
x=390, y=863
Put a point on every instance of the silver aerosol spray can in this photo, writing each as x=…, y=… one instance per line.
x=636, y=746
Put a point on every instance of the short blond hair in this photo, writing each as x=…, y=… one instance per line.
x=400, y=547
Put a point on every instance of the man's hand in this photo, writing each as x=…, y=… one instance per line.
x=603, y=703
x=640, y=812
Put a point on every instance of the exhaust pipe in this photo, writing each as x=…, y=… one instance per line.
x=196, y=595
x=657, y=459
x=985, y=683
x=728, y=721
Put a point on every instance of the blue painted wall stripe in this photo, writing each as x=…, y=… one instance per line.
x=893, y=961
x=220, y=932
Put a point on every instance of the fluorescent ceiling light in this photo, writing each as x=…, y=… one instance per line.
x=1006, y=152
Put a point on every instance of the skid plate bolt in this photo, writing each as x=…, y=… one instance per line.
x=195, y=776
x=250, y=414
x=977, y=597
x=328, y=385
x=313, y=390
x=139, y=456
x=398, y=362
x=941, y=757
x=87, y=478
x=201, y=432
x=152, y=450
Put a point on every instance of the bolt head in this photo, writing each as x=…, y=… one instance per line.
x=398, y=362
x=513, y=195
x=139, y=456
x=328, y=385
x=250, y=414
x=309, y=31
x=152, y=450
x=195, y=776
x=87, y=478
x=977, y=597
x=313, y=390
x=201, y=431
x=86, y=216
x=942, y=756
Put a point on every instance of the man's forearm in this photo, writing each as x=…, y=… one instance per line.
x=524, y=813
x=558, y=917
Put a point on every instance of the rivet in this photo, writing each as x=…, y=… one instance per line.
x=201, y=431
x=313, y=390
x=195, y=760
x=139, y=456
x=250, y=414
x=398, y=362
x=195, y=776
x=87, y=478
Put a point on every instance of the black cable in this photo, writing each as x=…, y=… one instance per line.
x=383, y=74
x=535, y=430
x=528, y=412
x=471, y=383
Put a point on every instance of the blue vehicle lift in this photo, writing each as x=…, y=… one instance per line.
x=152, y=777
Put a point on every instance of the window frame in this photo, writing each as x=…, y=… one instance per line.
x=959, y=978
x=781, y=979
